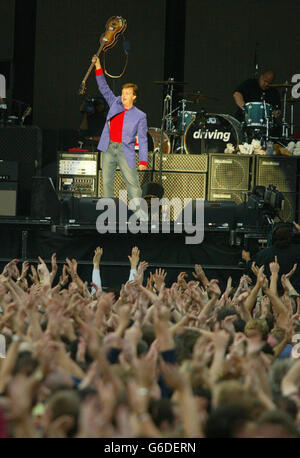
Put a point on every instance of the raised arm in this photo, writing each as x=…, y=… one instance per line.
x=101, y=81
x=96, y=278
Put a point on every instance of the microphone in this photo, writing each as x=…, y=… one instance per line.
x=126, y=46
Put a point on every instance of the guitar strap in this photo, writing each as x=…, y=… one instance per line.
x=125, y=66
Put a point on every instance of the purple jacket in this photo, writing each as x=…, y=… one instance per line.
x=135, y=123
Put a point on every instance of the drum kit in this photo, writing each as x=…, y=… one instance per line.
x=197, y=132
x=260, y=121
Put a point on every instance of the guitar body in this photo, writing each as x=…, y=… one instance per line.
x=115, y=26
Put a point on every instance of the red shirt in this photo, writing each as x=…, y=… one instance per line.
x=116, y=127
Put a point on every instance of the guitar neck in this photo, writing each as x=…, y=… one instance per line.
x=92, y=65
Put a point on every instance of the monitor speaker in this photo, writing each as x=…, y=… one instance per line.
x=279, y=171
x=229, y=172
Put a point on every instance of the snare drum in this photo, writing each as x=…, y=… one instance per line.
x=257, y=113
x=219, y=130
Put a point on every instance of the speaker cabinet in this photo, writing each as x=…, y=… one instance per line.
x=279, y=171
x=229, y=172
x=282, y=173
x=44, y=200
x=182, y=185
x=182, y=162
x=8, y=199
x=23, y=145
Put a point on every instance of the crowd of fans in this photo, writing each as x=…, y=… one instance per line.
x=187, y=361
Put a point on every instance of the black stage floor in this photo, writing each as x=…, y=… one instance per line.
x=219, y=253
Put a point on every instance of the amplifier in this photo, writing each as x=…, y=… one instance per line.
x=279, y=171
x=77, y=173
x=182, y=162
x=230, y=172
x=8, y=198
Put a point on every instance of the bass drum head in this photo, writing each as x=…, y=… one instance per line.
x=219, y=130
x=154, y=135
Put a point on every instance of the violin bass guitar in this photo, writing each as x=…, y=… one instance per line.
x=115, y=26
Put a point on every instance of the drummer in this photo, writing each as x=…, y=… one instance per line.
x=256, y=90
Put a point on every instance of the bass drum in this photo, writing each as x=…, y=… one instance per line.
x=154, y=141
x=219, y=130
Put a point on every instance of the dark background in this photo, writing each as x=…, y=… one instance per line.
x=210, y=44
x=221, y=39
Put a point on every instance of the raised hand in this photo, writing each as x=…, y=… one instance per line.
x=199, y=272
x=34, y=277
x=64, y=278
x=96, y=61
x=43, y=272
x=213, y=287
x=260, y=276
x=134, y=258
x=139, y=278
x=25, y=268
x=181, y=280
x=228, y=288
x=159, y=278
x=274, y=266
x=291, y=272
x=11, y=269
x=254, y=269
x=97, y=257
x=54, y=265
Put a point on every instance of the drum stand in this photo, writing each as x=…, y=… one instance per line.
x=169, y=109
x=292, y=118
x=267, y=121
x=285, y=126
x=202, y=125
x=183, y=102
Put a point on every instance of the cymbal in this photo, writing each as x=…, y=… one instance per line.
x=286, y=84
x=170, y=82
x=197, y=97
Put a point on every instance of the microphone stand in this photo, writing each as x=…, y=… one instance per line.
x=161, y=137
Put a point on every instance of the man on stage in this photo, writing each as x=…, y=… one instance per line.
x=123, y=123
x=256, y=90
